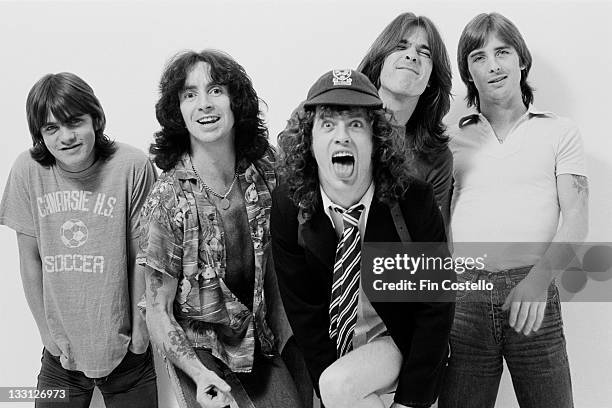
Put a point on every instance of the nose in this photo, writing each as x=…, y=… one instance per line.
x=493, y=65
x=411, y=54
x=67, y=136
x=342, y=135
x=204, y=102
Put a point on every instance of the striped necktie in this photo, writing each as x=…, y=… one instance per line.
x=345, y=287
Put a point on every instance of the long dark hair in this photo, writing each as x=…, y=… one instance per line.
x=172, y=141
x=64, y=95
x=392, y=171
x=425, y=126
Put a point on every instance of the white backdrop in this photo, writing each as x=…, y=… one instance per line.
x=120, y=48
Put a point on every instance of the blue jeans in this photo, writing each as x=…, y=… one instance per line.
x=481, y=338
x=132, y=383
x=269, y=385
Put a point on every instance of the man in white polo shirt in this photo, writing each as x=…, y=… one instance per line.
x=516, y=170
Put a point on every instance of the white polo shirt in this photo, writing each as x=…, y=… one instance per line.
x=507, y=192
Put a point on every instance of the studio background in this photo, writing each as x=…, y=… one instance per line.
x=120, y=49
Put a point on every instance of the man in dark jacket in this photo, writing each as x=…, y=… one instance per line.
x=345, y=167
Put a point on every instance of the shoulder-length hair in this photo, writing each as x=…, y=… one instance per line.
x=425, y=124
x=64, y=95
x=475, y=35
x=391, y=160
x=172, y=141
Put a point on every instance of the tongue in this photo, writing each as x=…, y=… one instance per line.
x=343, y=170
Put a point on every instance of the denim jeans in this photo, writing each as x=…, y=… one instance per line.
x=481, y=338
x=269, y=385
x=132, y=383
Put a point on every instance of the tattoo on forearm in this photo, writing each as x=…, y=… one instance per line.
x=179, y=347
x=581, y=184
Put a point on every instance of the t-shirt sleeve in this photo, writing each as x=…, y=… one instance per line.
x=570, y=153
x=161, y=230
x=16, y=207
x=144, y=182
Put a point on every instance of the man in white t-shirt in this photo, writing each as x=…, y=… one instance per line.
x=74, y=200
x=517, y=169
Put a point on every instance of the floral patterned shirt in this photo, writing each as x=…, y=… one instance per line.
x=182, y=236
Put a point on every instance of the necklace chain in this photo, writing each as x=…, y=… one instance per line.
x=210, y=190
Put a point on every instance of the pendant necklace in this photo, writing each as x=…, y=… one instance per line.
x=225, y=202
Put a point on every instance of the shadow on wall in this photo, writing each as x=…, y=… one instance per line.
x=600, y=199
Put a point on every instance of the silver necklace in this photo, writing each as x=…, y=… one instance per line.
x=225, y=202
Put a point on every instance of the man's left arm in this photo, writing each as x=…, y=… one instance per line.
x=136, y=275
x=527, y=301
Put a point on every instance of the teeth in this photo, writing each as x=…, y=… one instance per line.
x=342, y=154
x=208, y=119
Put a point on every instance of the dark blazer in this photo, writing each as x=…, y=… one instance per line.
x=420, y=330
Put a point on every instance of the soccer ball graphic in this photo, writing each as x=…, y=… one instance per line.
x=73, y=233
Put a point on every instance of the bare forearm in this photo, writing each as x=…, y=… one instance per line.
x=167, y=335
x=170, y=338
x=32, y=288
x=137, y=290
x=30, y=268
x=573, y=198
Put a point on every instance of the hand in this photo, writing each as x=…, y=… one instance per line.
x=527, y=303
x=139, y=343
x=212, y=391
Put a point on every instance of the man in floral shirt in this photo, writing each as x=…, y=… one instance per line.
x=204, y=230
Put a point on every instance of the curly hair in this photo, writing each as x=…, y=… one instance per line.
x=64, y=95
x=391, y=160
x=475, y=35
x=425, y=123
x=173, y=140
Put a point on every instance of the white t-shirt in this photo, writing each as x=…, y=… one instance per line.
x=507, y=192
x=83, y=223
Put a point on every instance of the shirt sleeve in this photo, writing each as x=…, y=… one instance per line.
x=570, y=153
x=16, y=209
x=161, y=230
x=144, y=182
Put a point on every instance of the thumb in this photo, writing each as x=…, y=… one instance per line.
x=221, y=385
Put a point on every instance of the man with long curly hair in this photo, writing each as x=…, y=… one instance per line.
x=205, y=228
x=344, y=167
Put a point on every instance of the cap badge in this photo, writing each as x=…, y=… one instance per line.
x=342, y=77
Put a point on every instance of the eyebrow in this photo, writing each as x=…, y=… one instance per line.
x=480, y=51
x=403, y=41
x=68, y=119
x=189, y=88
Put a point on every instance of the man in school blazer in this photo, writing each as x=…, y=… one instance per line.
x=343, y=156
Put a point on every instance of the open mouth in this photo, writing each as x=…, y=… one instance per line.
x=343, y=164
x=208, y=120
